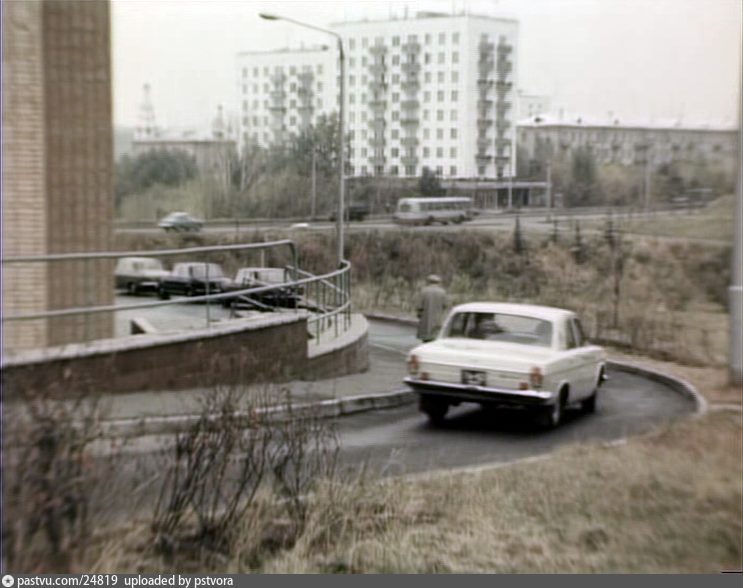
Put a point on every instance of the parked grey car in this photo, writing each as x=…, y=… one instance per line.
x=191, y=279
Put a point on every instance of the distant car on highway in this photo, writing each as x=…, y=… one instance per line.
x=191, y=279
x=139, y=274
x=180, y=221
x=353, y=212
x=508, y=354
x=255, y=277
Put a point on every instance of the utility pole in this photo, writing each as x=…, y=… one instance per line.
x=549, y=184
x=736, y=287
x=314, y=184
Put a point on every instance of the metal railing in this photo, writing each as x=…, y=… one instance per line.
x=332, y=295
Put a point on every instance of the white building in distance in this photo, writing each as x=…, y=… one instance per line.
x=436, y=91
x=284, y=91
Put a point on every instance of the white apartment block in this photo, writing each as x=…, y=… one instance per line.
x=282, y=92
x=532, y=104
x=436, y=91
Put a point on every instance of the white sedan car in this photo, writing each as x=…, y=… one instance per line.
x=508, y=354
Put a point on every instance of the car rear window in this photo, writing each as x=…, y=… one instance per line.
x=508, y=328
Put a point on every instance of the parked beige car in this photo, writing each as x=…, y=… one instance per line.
x=139, y=274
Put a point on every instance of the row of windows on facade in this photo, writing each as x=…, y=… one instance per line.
x=658, y=137
x=427, y=39
x=363, y=99
x=395, y=170
x=396, y=59
x=352, y=79
x=397, y=152
x=395, y=134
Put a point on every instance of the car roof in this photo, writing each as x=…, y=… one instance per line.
x=138, y=259
x=548, y=313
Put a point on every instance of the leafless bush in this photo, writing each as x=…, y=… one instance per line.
x=239, y=444
x=50, y=479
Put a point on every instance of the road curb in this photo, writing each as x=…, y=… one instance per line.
x=331, y=408
x=678, y=385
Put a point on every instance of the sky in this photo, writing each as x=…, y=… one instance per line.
x=640, y=59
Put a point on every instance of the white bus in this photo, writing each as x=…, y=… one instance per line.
x=426, y=211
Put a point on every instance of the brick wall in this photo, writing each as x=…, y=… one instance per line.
x=79, y=155
x=57, y=165
x=23, y=173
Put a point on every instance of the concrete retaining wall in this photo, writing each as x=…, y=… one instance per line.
x=275, y=349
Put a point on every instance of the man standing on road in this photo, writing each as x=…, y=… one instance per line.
x=431, y=309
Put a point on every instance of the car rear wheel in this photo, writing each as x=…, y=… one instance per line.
x=131, y=288
x=589, y=404
x=434, y=408
x=163, y=294
x=552, y=416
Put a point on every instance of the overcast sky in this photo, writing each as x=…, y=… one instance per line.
x=636, y=58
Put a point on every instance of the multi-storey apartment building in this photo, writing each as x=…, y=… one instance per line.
x=435, y=91
x=282, y=92
x=613, y=140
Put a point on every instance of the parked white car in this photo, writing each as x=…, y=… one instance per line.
x=508, y=354
x=137, y=274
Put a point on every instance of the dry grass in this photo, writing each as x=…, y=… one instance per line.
x=669, y=503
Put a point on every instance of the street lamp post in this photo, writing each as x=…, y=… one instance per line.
x=341, y=124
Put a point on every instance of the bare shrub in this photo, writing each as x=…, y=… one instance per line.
x=50, y=479
x=239, y=444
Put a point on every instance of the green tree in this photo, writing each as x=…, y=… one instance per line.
x=429, y=184
x=584, y=187
x=168, y=167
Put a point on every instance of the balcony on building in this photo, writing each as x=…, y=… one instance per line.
x=377, y=103
x=502, y=124
x=502, y=86
x=484, y=123
x=377, y=140
x=305, y=107
x=503, y=67
x=486, y=47
x=377, y=68
x=411, y=47
x=485, y=66
x=377, y=159
x=410, y=104
x=501, y=142
x=409, y=142
x=483, y=144
x=411, y=68
x=377, y=84
x=277, y=107
x=483, y=158
x=409, y=121
x=411, y=86
x=377, y=124
x=378, y=49
x=409, y=160
x=504, y=48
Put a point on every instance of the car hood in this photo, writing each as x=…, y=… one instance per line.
x=485, y=354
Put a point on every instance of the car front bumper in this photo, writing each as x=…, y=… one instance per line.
x=481, y=394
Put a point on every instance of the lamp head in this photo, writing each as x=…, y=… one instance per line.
x=267, y=16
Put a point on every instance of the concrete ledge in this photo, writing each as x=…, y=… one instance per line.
x=171, y=425
x=676, y=384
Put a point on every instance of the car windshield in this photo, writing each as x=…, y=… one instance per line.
x=200, y=271
x=507, y=328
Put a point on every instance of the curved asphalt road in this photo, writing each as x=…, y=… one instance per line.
x=401, y=440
